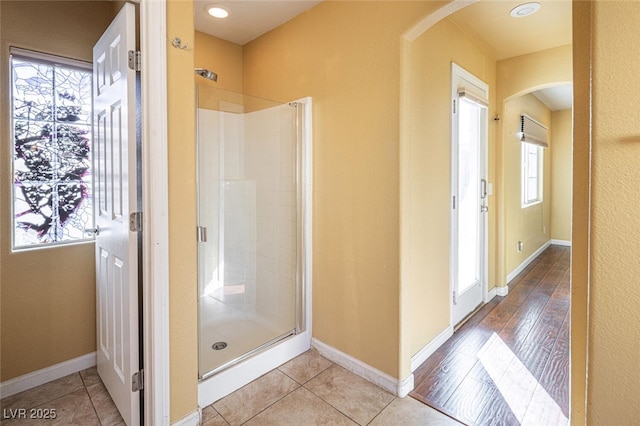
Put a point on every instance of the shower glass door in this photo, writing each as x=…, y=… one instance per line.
x=248, y=226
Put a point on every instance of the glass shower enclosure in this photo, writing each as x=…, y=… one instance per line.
x=249, y=226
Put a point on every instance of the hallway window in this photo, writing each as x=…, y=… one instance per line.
x=51, y=122
x=531, y=174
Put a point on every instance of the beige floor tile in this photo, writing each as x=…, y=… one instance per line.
x=409, y=412
x=90, y=376
x=208, y=413
x=300, y=407
x=39, y=395
x=102, y=402
x=215, y=421
x=248, y=401
x=351, y=394
x=306, y=366
x=210, y=417
x=74, y=408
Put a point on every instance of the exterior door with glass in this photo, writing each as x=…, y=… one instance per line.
x=469, y=192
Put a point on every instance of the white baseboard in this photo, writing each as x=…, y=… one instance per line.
x=526, y=263
x=566, y=243
x=428, y=349
x=502, y=291
x=497, y=291
x=191, y=419
x=46, y=375
x=397, y=387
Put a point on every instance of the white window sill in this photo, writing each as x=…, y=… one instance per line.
x=531, y=204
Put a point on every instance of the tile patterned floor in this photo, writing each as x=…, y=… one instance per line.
x=78, y=399
x=308, y=390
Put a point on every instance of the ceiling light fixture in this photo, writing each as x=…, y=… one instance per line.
x=525, y=9
x=217, y=11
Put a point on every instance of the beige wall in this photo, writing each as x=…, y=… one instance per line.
x=346, y=55
x=580, y=234
x=48, y=295
x=532, y=224
x=523, y=74
x=518, y=76
x=222, y=57
x=425, y=177
x=561, y=167
x=614, y=283
x=183, y=298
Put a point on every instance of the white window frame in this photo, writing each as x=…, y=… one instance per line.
x=526, y=150
x=56, y=61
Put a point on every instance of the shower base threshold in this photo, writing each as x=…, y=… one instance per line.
x=246, y=355
x=243, y=372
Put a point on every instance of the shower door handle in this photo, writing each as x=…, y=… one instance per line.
x=202, y=234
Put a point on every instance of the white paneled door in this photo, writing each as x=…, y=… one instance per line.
x=115, y=198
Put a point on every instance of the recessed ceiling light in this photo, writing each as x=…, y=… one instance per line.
x=217, y=11
x=525, y=9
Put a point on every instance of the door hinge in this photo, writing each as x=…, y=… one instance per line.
x=455, y=300
x=135, y=222
x=454, y=106
x=137, y=381
x=134, y=60
x=202, y=234
x=454, y=202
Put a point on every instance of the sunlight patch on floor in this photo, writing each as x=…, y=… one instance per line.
x=527, y=399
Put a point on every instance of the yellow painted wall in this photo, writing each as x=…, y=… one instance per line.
x=346, y=55
x=614, y=287
x=522, y=74
x=532, y=224
x=222, y=57
x=425, y=177
x=518, y=76
x=580, y=233
x=561, y=170
x=183, y=307
x=48, y=295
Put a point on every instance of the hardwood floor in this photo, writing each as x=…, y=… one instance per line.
x=509, y=364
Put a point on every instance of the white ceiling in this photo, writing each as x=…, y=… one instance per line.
x=486, y=21
x=556, y=98
x=248, y=20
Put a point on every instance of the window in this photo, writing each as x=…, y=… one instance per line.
x=51, y=121
x=532, y=156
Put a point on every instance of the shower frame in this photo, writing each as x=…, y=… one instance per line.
x=269, y=356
